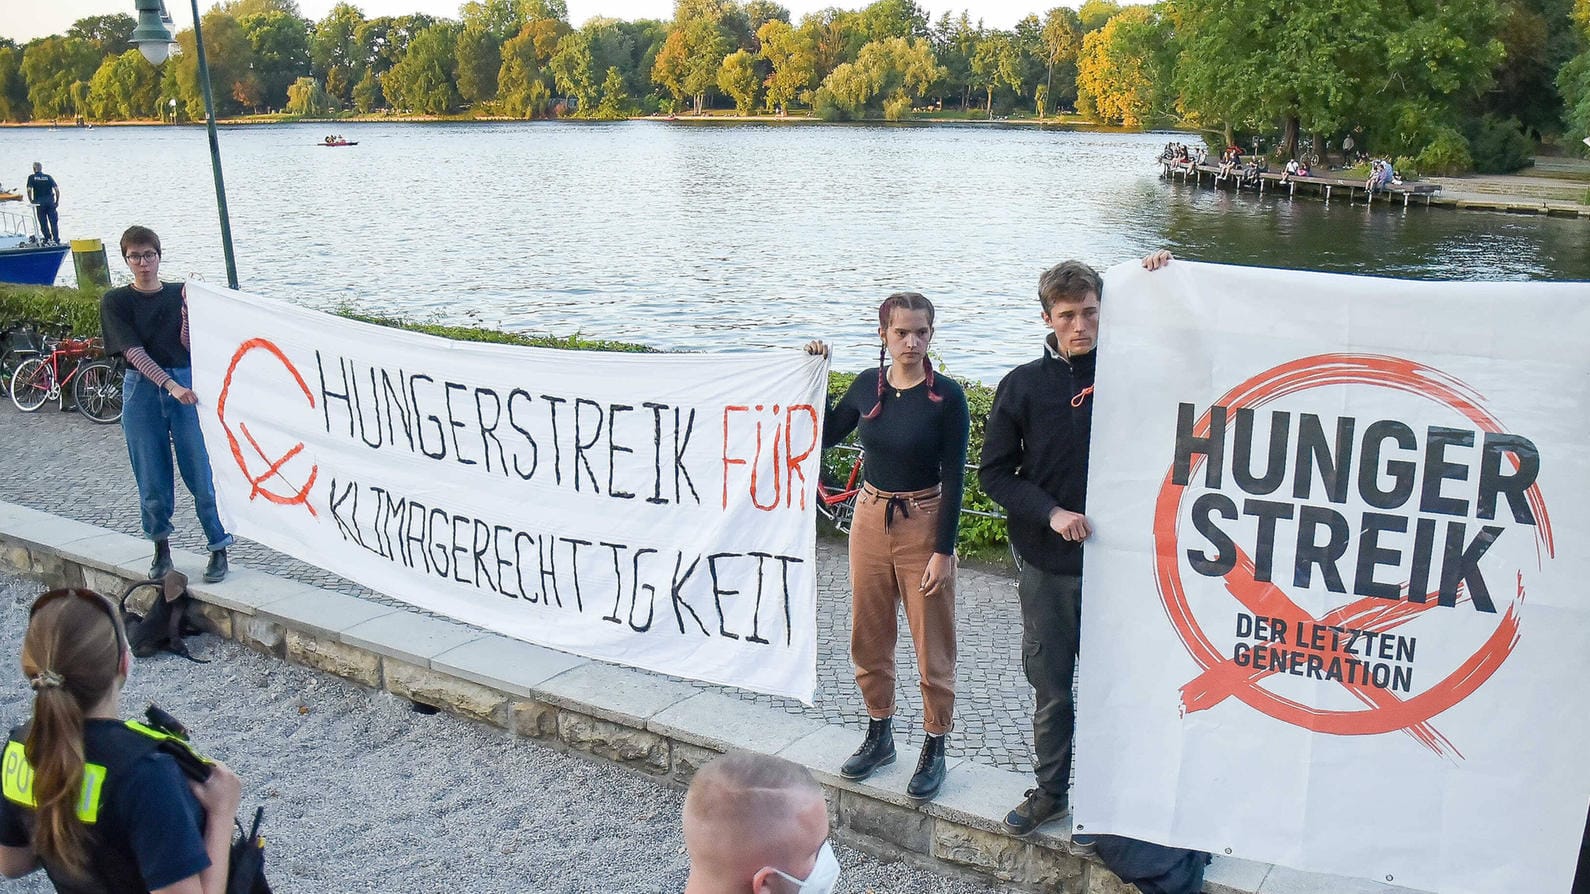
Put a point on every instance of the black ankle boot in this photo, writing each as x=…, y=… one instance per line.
x=877, y=750
x=162, y=562
x=929, y=770
x=216, y=570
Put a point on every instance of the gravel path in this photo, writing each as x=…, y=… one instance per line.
x=362, y=794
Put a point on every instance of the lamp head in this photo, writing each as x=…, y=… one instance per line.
x=153, y=34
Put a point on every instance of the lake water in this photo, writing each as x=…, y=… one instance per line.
x=722, y=237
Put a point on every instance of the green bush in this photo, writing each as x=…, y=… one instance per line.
x=1406, y=168
x=1499, y=146
x=68, y=309
x=1446, y=153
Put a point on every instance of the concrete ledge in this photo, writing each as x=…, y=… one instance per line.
x=658, y=726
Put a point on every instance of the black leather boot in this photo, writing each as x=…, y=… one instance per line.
x=929, y=770
x=877, y=750
x=162, y=562
x=216, y=570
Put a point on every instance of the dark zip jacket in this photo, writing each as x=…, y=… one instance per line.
x=1035, y=454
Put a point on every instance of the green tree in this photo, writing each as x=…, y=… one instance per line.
x=51, y=67
x=893, y=18
x=1062, y=44
x=241, y=9
x=574, y=73
x=738, y=78
x=335, y=53
x=233, y=81
x=110, y=34
x=306, y=97
x=760, y=12
x=501, y=18
x=479, y=57
x=996, y=62
x=890, y=75
x=424, y=79
x=1095, y=14
x=1124, y=74
x=687, y=65
x=836, y=37
x=14, y=105
x=367, y=95
x=125, y=87
x=280, y=44
x=793, y=58
x=615, y=102
x=524, y=83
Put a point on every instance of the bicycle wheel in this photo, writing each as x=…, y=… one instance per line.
x=32, y=384
x=98, y=391
x=10, y=359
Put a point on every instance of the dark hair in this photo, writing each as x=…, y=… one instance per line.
x=1066, y=282
x=901, y=301
x=136, y=235
x=71, y=655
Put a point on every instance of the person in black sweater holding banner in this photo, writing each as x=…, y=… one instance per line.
x=913, y=426
x=1035, y=464
x=146, y=323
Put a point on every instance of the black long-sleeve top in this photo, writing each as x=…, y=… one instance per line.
x=912, y=444
x=1035, y=454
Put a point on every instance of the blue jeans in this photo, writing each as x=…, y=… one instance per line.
x=156, y=424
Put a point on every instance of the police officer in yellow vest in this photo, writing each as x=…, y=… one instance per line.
x=118, y=815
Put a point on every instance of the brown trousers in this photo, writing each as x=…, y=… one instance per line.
x=887, y=558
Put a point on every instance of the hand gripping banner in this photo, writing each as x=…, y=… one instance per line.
x=654, y=510
x=1333, y=611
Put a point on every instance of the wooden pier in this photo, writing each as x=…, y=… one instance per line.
x=1312, y=184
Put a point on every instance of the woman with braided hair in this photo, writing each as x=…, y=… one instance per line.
x=913, y=426
x=93, y=800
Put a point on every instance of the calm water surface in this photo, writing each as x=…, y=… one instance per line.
x=722, y=237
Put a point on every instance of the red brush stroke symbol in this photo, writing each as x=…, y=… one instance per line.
x=1222, y=678
x=257, y=488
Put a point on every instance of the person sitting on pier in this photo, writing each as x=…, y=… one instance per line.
x=1292, y=168
x=1229, y=160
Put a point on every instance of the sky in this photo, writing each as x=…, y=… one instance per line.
x=27, y=19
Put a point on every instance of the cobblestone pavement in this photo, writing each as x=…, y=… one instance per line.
x=62, y=463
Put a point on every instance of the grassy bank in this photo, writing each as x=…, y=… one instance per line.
x=78, y=312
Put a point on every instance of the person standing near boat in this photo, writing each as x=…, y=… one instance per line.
x=45, y=196
x=913, y=426
x=147, y=324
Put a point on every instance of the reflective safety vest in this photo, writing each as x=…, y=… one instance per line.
x=16, y=774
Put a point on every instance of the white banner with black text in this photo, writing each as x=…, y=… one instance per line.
x=1334, y=611
x=654, y=510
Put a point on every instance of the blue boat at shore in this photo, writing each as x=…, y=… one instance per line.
x=23, y=257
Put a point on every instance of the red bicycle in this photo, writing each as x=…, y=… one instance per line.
x=75, y=363
x=838, y=504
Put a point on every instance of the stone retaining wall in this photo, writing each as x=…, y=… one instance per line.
x=651, y=724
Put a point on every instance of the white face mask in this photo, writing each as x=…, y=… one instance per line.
x=824, y=876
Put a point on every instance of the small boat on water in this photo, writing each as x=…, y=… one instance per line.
x=24, y=258
x=337, y=140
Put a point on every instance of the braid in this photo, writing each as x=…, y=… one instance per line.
x=933, y=396
x=883, y=351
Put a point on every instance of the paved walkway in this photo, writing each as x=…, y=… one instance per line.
x=64, y=464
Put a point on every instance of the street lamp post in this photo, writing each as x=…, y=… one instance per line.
x=153, y=37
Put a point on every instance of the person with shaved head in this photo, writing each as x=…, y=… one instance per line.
x=756, y=824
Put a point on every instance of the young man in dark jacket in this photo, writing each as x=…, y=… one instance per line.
x=1035, y=464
